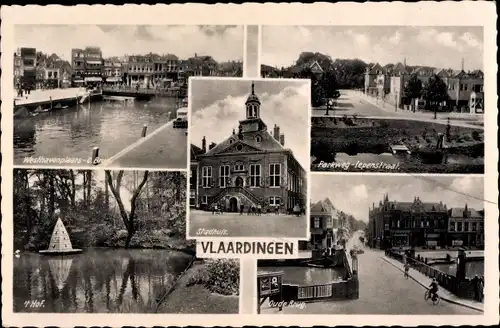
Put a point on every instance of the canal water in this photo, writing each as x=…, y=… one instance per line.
x=96, y=281
x=305, y=276
x=74, y=131
x=388, y=158
x=472, y=268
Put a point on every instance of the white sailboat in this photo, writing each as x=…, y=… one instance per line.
x=60, y=243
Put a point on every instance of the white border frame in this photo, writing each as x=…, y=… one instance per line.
x=307, y=169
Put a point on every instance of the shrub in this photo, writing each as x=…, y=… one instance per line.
x=476, y=136
x=220, y=276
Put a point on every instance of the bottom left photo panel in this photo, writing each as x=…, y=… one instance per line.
x=89, y=241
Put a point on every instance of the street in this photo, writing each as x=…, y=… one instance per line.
x=166, y=147
x=279, y=226
x=382, y=290
x=352, y=102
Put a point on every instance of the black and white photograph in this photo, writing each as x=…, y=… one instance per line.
x=249, y=154
x=389, y=245
x=387, y=98
x=112, y=95
x=90, y=241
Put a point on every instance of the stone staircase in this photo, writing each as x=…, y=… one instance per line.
x=228, y=190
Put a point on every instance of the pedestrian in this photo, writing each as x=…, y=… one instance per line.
x=242, y=207
x=481, y=289
x=475, y=286
x=259, y=209
x=296, y=210
x=253, y=209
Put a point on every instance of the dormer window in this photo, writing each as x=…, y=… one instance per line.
x=231, y=141
x=258, y=139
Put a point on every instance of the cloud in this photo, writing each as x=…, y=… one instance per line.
x=282, y=45
x=395, y=38
x=221, y=42
x=471, y=40
x=288, y=109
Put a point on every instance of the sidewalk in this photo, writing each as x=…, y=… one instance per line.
x=456, y=119
x=445, y=295
x=165, y=148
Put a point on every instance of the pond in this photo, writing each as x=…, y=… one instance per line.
x=96, y=281
x=304, y=276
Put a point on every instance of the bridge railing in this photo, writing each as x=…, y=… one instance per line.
x=461, y=288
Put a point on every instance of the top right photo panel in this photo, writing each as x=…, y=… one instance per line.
x=394, y=99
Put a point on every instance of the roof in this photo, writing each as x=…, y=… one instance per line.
x=458, y=212
x=249, y=142
x=320, y=207
x=195, y=151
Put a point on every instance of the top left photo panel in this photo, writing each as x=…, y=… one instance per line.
x=112, y=96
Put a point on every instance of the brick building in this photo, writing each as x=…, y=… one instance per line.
x=411, y=224
x=250, y=167
x=466, y=227
x=323, y=225
x=87, y=65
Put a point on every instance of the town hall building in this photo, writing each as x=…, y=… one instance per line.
x=250, y=167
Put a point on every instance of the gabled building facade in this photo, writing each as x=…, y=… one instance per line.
x=250, y=167
x=400, y=224
x=323, y=225
x=466, y=227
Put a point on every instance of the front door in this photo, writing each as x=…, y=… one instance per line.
x=239, y=182
x=233, y=205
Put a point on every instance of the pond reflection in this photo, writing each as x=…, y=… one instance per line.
x=99, y=280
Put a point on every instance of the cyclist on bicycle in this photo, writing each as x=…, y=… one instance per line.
x=433, y=289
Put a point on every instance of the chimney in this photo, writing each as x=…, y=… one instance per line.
x=276, y=133
x=234, y=132
x=204, y=145
x=462, y=64
x=282, y=140
x=212, y=145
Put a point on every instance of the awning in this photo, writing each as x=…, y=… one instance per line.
x=113, y=79
x=93, y=79
x=78, y=81
x=94, y=62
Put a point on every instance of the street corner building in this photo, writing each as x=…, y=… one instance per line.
x=422, y=224
x=250, y=167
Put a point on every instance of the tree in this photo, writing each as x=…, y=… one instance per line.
x=435, y=91
x=329, y=84
x=128, y=218
x=413, y=89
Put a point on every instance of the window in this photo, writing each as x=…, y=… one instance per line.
x=254, y=175
x=258, y=138
x=239, y=167
x=275, y=174
x=317, y=223
x=239, y=147
x=459, y=228
x=397, y=224
x=474, y=226
x=273, y=201
x=206, y=173
x=329, y=222
x=204, y=200
x=466, y=226
x=223, y=175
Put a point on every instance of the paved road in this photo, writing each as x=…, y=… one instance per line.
x=279, y=226
x=164, y=148
x=383, y=290
x=353, y=103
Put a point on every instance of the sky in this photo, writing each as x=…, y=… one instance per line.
x=221, y=42
x=436, y=46
x=354, y=194
x=252, y=59
x=218, y=105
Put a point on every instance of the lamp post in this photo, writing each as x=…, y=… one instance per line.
x=329, y=104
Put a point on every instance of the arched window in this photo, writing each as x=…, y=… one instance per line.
x=258, y=138
x=255, y=109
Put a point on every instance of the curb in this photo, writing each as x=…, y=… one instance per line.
x=443, y=298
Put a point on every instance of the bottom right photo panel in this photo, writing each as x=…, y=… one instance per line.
x=384, y=244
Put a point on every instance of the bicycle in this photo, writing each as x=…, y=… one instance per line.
x=436, y=298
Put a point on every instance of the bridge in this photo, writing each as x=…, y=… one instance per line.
x=143, y=93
